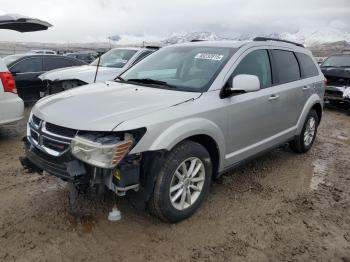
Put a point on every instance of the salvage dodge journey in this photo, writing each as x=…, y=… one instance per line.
x=166, y=127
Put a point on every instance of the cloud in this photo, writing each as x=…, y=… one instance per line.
x=86, y=20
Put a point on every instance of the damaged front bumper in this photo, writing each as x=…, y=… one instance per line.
x=124, y=177
x=338, y=93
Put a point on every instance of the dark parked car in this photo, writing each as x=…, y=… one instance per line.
x=336, y=69
x=27, y=67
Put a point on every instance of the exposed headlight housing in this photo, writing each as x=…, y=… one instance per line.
x=102, y=150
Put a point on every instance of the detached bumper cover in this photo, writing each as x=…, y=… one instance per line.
x=64, y=167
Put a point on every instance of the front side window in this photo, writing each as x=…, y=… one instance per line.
x=286, y=66
x=115, y=58
x=30, y=65
x=256, y=63
x=307, y=66
x=185, y=68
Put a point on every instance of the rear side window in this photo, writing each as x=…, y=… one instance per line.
x=256, y=63
x=51, y=63
x=30, y=65
x=307, y=66
x=286, y=66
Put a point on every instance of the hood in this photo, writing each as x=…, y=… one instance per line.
x=84, y=73
x=103, y=106
x=336, y=71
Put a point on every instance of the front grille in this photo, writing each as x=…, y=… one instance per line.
x=49, y=138
x=59, y=130
x=36, y=120
x=57, y=146
x=34, y=135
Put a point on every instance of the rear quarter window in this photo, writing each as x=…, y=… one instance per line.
x=286, y=67
x=307, y=66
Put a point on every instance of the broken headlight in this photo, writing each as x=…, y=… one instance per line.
x=104, y=150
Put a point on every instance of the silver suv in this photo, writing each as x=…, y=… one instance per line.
x=182, y=116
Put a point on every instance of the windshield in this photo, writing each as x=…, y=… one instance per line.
x=11, y=58
x=115, y=58
x=185, y=68
x=337, y=61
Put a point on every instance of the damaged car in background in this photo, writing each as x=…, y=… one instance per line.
x=177, y=119
x=336, y=69
x=107, y=67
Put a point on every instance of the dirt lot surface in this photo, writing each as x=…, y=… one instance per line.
x=279, y=207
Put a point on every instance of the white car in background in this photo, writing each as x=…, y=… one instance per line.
x=43, y=51
x=110, y=65
x=11, y=106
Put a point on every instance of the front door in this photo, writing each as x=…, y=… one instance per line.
x=255, y=119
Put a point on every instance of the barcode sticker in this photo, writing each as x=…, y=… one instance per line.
x=215, y=57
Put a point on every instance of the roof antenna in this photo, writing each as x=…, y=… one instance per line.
x=98, y=65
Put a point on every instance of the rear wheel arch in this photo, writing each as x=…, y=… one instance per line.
x=313, y=103
x=318, y=108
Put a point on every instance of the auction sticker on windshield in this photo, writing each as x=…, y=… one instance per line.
x=215, y=57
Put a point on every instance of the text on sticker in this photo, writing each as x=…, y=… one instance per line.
x=215, y=57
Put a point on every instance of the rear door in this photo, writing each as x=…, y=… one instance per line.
x=26, y=72
x=292, y=92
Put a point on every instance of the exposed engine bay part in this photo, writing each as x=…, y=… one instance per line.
x=336, y=69
x=60, y=86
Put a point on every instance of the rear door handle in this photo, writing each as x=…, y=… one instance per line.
x=273, y=97
x=306, y=87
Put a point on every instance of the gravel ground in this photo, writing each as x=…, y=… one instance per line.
x=279, y=207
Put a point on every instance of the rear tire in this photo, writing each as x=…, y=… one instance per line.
x=303, y=142
x=182, y=183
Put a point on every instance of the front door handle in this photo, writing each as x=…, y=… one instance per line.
x=273, y=97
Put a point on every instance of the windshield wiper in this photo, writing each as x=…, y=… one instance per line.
x=150, y=81
x=120, y=78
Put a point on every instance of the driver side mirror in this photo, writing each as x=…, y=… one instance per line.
x=245, y=83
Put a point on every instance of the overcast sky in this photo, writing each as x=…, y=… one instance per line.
x=94, y=20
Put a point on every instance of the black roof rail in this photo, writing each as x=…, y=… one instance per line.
x=152, y=47
x=197, y=40
x=259, y=38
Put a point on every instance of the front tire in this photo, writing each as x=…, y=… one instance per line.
x=182, y=183
x=303, y=142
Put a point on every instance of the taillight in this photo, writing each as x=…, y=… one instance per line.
x=325, y=81
x=8, y=82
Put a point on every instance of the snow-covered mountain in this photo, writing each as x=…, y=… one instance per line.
x=187, y=37
x=306, y=36
x=311, y=37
